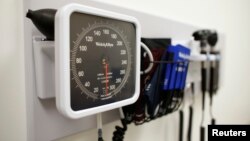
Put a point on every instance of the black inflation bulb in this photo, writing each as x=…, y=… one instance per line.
x=44, y=20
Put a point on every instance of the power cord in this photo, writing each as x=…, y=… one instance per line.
x=118, y=134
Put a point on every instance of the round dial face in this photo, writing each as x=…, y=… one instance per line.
x=101, y=61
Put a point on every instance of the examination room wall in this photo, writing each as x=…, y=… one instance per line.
x=232, y=104
x=230, y=17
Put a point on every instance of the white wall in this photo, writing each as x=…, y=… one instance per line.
x=232, y=106
x=12, y=91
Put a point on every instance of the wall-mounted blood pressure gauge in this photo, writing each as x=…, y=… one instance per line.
x=97, y=60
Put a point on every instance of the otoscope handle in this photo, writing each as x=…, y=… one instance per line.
x=181, y=125
x=100, y=139
x=202, y=133
x=203, y=85
x=190, y=123
x=213, y=121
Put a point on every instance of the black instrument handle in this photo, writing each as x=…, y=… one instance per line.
x=202, y=133
x=213, y=121
x=203, y=86
x=181, y=125
x=190, y=122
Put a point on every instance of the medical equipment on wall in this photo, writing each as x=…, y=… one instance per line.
x=164, y=94
x=96, y=59
x=162, y=88
x=97, y=66
x=202, y=37
x=191, y=113
x=208, y=38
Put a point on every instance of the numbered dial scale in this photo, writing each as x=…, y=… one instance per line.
x=97, y=60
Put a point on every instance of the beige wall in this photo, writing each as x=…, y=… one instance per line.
x=232, y=103
x=12, y=87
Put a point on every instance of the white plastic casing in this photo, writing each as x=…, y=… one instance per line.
x=62, y=59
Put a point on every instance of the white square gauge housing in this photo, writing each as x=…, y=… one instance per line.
x=97, y=55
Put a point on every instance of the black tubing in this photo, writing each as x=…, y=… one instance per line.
x=181, y=114
x=202, y=133
x=190, y=122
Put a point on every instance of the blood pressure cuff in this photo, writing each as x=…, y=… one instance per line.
x=150, y=95
x=175, y=78
x=152, y=91
x=136, y=111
